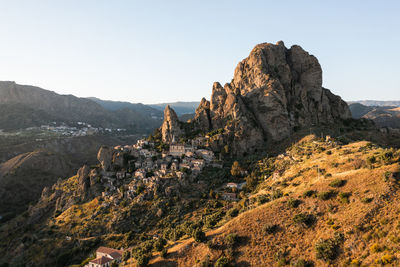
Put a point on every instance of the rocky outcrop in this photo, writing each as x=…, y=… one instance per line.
x=104, y=156
x=83, y=179
x=171, y=126
x=274, y=91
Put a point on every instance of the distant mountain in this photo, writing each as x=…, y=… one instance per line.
x=376, y=103
x=24, y=106
x=119, y=105
x=383, y=116
x=179, y=107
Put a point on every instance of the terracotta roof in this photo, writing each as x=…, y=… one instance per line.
x=101, y=261
x=106, y=250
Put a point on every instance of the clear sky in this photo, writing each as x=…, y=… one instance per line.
x=158, y=51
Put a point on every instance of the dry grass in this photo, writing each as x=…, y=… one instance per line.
x=362, y=222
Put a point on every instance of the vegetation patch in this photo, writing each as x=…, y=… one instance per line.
x=337, y=183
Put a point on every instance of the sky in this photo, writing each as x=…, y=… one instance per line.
x=164, y=51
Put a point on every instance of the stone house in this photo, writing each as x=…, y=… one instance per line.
x=105, y=257
x=176, y=150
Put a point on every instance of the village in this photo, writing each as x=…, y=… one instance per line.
x=140, y=166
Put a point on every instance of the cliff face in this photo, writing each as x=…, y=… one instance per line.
x=171, y=126
x=274, y=91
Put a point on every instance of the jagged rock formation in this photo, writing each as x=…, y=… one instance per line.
x=104, y=156
x=83, y=178
x=275, y=91
x=171, y=126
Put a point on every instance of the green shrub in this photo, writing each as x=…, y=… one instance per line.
x=344, y=197
x=222, y=262
x=375, y=248
x=386, y=156
x=387, y=259
x=164, y=253
x=293, y=203
x=337, y=183
x=304, y=219
x=367, y=200
x=327, y=195
x=158, y=245
x=371, y=160
x=126, y=255
x=261, y=199
x=198, y=235
x=231, y=239
x=276, y=194
x=142, y=260
x=303, y=263
x=233, y=212
x=309, y=193
x=328, y=249
x=270, y=228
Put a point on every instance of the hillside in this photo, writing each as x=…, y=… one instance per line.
x=383, y=116
x=28, y=165
x=28, y=106
x=119, y=105
x=344, y=194
x=376, y=103
x=325, y=202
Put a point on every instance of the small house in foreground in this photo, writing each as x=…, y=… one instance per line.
x=105, y=257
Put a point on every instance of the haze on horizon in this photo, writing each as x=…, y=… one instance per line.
x=154, y=51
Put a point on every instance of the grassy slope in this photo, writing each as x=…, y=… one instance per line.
x=363, y=224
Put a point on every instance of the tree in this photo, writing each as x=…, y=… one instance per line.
x=198, y=235
x=236, y=170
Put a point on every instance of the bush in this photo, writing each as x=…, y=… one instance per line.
x=337, y=183
x=327, y=195
x=231, y=239
x=233, y=212
x=304, y=219
x=142, y=260
x=371, y=160
x=222, y=262
x=271, y=228
x=276, y=194
x=293, y=203
x=164, y=253
x=375, y=248
x=387, y=259
x=328, y=249
x=158, y=245
x=367, y=200
x=386, y=156
x=126, y=255
x=198, y=235
x=309, y=193
x=261, y=199
x=303, y=263
x=344, y=197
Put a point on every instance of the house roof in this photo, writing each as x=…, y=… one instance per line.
x=101, y=261
x=116, y=255
x=106, y=250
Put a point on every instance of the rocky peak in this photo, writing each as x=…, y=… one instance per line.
x=274, y=91
x=104, y=156
x=171, y=126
